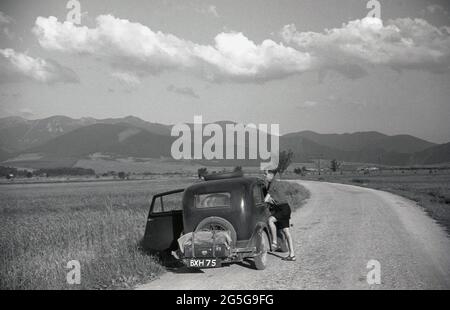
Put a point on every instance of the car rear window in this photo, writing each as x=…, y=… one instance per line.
x=213, y=200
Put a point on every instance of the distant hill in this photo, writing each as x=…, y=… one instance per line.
x=305, y=150
x=155, y=128
x=11, y=121
x=64, y=139
x=12, y=130
x=120, y=139
x=434, y=155
x=18, y=134
x=366, y=140
x=3, y=155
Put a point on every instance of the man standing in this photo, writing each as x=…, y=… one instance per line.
x=281, y=212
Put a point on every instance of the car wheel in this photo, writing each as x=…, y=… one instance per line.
x=262, y=247
x=217, y=223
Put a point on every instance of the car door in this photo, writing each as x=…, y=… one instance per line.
x=164, y=221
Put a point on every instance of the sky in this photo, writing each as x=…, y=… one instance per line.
x=314, y=65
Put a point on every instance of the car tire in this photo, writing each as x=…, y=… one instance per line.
x=215, y=220
x=262, y=247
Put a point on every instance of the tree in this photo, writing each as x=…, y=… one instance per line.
x=301, y=171
x=284, y=161
x=65, y=171
x=298, y=171
x=237, y=169
x=29, y=174
x=8, y=171
x=202, y=172
x=334, y=165
x=122, y=175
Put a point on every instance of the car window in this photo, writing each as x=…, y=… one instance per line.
x=257, y=194
x=166, y=203
x=213, y=200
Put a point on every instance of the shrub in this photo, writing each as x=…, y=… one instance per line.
x=202, y=172
x=72, y=171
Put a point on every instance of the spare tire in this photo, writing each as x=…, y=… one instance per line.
x=217, y=223
x=223, y=175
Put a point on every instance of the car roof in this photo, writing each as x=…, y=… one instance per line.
x=223, y=184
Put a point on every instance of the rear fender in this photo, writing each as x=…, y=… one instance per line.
x=260, y=228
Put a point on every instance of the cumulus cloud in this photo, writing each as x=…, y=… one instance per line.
x=402, y=43
x=16, y=66
x=135, y=47
x=185, y=91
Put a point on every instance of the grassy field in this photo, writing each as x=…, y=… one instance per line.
x=430, y=190
x=100, y=224
x=43, y=226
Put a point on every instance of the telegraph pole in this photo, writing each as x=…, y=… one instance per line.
x=320, y=156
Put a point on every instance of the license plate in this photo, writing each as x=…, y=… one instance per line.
x=203, y=262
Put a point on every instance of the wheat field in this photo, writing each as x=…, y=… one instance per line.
x=44, y=226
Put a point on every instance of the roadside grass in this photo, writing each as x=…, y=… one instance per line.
x=43, y=227
x=430, y=191
x=295, y=194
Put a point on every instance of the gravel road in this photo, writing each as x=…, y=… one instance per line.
x=336, y=233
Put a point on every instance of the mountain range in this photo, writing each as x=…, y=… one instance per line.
x=59, y=137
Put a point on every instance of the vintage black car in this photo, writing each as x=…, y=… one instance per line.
x=229, y=203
